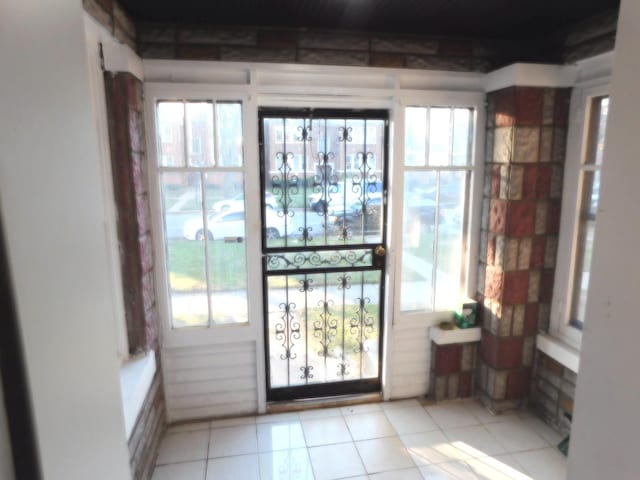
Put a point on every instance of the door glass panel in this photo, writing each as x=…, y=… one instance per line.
x=182, y=208
x=323, y=217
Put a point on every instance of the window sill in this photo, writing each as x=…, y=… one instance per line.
x=559, y=351
x=136, y=376
x=456, y=335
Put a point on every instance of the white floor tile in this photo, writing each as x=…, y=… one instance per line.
x=183, y=447
x=364, y=426
x=452, y=415
x=280, y=436
x=406, y=474
x=336, y=461
x=188, y=427
x=180, y=471
x=435, y=472
x=463, y=471
x=552, y=437
x=229, y=441
x=475, y=441
x=410, y=420
x=432, y=447
x=324, y=431
x=233, y=422
x=515, y=436
x=384, y=454
x=484, y=415
x=320, y=413
x=545, y=464
x=393, y=404
x=498, y=466
x=363, y=408
x=278, y=417
x=286, y=465
x=245, y=467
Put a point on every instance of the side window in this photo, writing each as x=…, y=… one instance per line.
x=588, y=198
x=201, y=173
x=437, y=174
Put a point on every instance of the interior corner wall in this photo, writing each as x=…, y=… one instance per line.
x=606, y=421
x=53, y=210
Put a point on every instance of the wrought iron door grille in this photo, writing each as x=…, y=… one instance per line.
x=323, y=276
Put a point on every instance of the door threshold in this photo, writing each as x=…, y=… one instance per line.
x=323, y=402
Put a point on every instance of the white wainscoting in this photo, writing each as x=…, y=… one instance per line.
x=409, y=361
x=210, y=381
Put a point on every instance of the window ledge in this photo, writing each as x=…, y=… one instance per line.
x=136, y=376
x=559, y=351
x=456, y=335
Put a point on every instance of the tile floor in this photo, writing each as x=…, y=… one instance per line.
x=394, y=440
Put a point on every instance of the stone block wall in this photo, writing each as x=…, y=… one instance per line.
x=553, y=392
x=147, y=432
x=112, y=16
x=128, y=164
x=524, y=162
x=453, y=369
x=257, y=44
x=129, y=170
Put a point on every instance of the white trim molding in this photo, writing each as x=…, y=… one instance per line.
x=531, y=75
x=559, y=351
x=136, y=376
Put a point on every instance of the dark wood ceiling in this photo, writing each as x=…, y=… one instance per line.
x=501, y=19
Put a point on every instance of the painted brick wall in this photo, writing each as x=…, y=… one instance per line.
x=112, y=16
x=453, y=370
x=553, y=392
x=147, y=432
x=524, y=162
x=128, y=165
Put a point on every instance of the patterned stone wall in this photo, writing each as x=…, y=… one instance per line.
x=147, y=432
x=452, y=370
x=525, y=152
x=553, y=391
x=128, y=164
x=253, y=44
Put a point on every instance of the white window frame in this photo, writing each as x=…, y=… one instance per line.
x=471, y=229
x=577, y=146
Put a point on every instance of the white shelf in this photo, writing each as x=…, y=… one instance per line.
x=456, y=335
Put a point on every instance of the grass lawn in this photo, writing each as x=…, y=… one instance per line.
x=227, y=266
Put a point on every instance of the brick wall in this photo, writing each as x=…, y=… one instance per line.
x=553, y=391
x=110, y=15
x=147, y=432
x=525, y=152
x=453, y=369
x=255, y=44
x=128, y=164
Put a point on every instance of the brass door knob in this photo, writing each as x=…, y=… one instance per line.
x=379, y=251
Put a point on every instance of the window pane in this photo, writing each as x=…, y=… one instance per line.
x=415, y=125
x=449, y=249
x=584, y=245
x=461, y=136
x=200, y=133
x=439, y=136
x=171, y=134
x=229, y=134
x=419, y=220
x=597, y=130
x=226, y=251
x=182, y=212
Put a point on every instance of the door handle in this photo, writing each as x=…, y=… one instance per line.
x=380, y=251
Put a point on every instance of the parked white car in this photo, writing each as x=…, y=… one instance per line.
x=230, y=225
x=237, y=203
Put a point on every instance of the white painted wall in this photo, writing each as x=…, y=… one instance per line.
x=52, y=205
x=6, y=462
x=604, y=437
